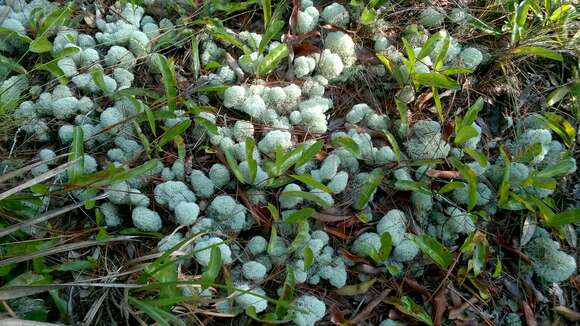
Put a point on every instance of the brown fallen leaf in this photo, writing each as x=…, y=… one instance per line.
x=443, y=174
x=529, y=314
x=568, y=313
x=329, y=217
x=412, y=283
x=366, y=312
x=337, y=316
x=440, y=303
x=457, y=312
x=356, y=289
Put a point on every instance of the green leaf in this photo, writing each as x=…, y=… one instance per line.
x=451, y=186
x=393, y=141
x=162, y=317
x=308, y=180
x=356, y=289
x=435, y=79
x=77, y=153
x=477, y=155
x=441, y=55
x=40, y=45
x=410, y=185
x=409, y=51
x=434, y=249
x=10, y=64
x=300, y=215
x=167, y=69
x=561, y=126
x=557, y=95
x=571, y=216
x=272, y=31
x=221, y=34
x=273, y=239
x=561, y=13
x=429, y=45
x=173, y=132
x=557, y=170
x=498, y=268
x=386, y=247
x=285, y=161
x=539, y=52
x=233, y=165
x=483, y=26
x=274, y=57
x=99, y=79
x=471, y=114
x=438, y=105
x=13, y=33
x=213, y=268
x=503, y=193
x=287, y=294
x=55, y=19
x=306, y=195
x=252, y=164
x=368, y=16
x=407, y=306
x=195, y=63
x=273, y=212
x=309, y=153
x=471, y=179
x=301, y=239
x=465, y=133
x=308, y=258
x=267, y=11
x=348, y=144
x=368, y=188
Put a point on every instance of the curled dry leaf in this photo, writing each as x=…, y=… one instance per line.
x=568, y=313
x=440, y=303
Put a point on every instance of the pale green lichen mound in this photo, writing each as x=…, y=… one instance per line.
x=314, y=308
x=186, y=213
x=171, y=193
x=366, y=244
x=393, y=222
x=426, y=141
x=146, y=220
x=202, y=250
x=550, y=263
x=254, y=271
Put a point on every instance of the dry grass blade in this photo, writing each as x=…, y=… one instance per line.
x=27, y=168
x=36, y=180
x=64, y=248
x=45, y=217
x=15, y=292
x=568, y=313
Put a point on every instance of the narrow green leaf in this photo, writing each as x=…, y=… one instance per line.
x=221, y=34
x=172, y=132
x=267, y=11
x=306, y=195
x=432, y=248
x=443, y=52
x=308, y=180
x=429, y=45
x=162, y=317
x=309, y=153
x=300, y=215
x=464, y=134
x=451, y=186
x=483, y=26
x=368, y=188
x=435, y=79
x=561, y=126
x=503, y=193
x=438, y=105
x=538, y=51
x=559, y=169
x=348, y=144
x=273, y=239
x=233, y=165
x=407, y=306
x=252, y=164
x=477, y=155
x=272, y=59
x=55, y=19
x=99, y=79
x=557, y=95
x=410, y=185
x=13, y=33
x=167, y=69
x=272, y=31
x=356, y=289
x=301, y=239
x=195, y=62
x=571, y=216
x=213, y=269
x=77, y=153
x=471, y=178
x=10, y=64
x=409, y=51
x=308, y=258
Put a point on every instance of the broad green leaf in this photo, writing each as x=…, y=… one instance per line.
x=434, y=249
x=561, y=13
x=368, y=188
x=539, y=52
x=40, y=45
x=456, y=71
x=571, y=216
x=464, y=134
x=561, y=126
x=213, y=269
x=356, y=289
x=348, y=144
x=172, y=132
x=267, y=11
x=557, y=95
x=471, y=114
x=99, y=79
x=310, y=153
x=306, y=195
x=559, y=169
x=409, y=51
x=285, y=161
x=407, y=306
x=300, y=215
x=368, y=16
x=308, y=180
x=271, y=61
x=384, y=251
x=435, y=79
x=13, y=33
x=528, y=154
x=76, y=153
x=308, y=258
x=55, y=19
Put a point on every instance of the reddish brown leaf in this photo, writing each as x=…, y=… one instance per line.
x=440, y=303
x=337, y=316
x=336, y=232
x=329, y=217
x=529, y=314
x=413, y=284
x=354, y=258
x=305, y=48
x=443, y=174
